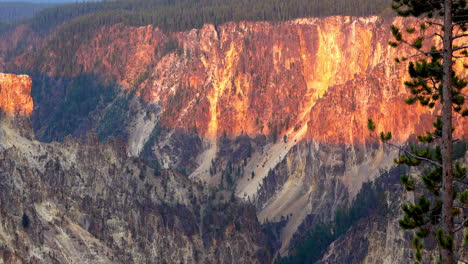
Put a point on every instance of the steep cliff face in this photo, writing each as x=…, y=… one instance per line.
x=15, y=94
x=246, y=78
x=378, y=237
x=276, y=112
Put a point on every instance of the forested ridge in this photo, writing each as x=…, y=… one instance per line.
x=13, y=11
x=177, y=15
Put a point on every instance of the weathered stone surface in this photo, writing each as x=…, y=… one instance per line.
x=15, y=94
x=87, y=203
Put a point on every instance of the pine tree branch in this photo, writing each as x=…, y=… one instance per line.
x=462, y=224
x=460, y=48
x=435, y=35
x=418, y=50
x=424, y=53
x=435, y=1
x=460, y=181
x=460, y=36
x=435, y=23
x=459, y=23
x=414, y=155
x=439, y=137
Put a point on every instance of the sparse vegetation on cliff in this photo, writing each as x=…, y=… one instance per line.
x=80, y=97
x=113, y=121
x=371, y=199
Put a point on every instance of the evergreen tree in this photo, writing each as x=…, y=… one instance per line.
x=176, y=15
x=25, y=220
x=433, y=82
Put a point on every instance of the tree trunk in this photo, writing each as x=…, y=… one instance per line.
x=447, y=168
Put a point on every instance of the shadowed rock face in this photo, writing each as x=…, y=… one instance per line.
x=378, y=237
x=81, y=201
x=279, y=109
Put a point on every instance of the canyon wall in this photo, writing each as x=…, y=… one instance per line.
x=275, y=113
x=247, y=78
x=81, y=201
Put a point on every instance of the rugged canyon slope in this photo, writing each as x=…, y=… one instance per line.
x=272, y=113
x=81, y=201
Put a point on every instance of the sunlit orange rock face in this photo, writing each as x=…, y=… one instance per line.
x=342, y=116
x=325, y=76
x=377, y=92
x=329, y=74
x=15, y=94
x=264, y=78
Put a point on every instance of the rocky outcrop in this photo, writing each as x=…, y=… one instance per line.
x=375, y=239
x=15, y=94
x=378, y=237
x=82, y=201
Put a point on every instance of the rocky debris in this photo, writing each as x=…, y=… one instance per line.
x=82, y=201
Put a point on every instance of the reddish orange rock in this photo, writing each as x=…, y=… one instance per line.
x=15, y=94
x=314, y=78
